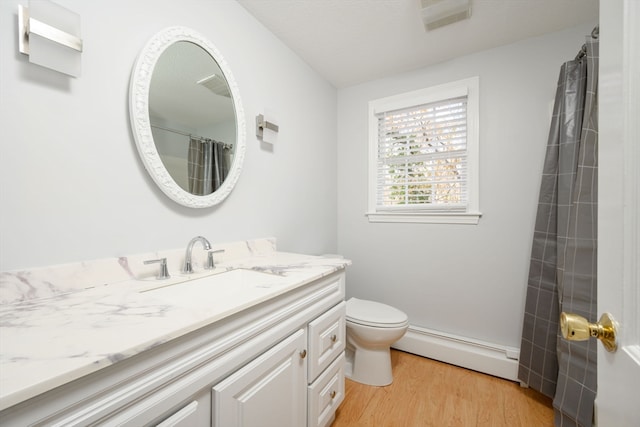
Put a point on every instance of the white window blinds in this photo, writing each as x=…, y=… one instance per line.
x=422, y=157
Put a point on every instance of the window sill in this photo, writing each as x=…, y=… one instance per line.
x=469, y=218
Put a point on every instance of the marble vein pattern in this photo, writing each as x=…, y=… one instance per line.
x=45, y=282
x=57, y=328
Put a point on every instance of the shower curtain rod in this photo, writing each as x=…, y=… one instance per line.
x=595, y=33
x=200, y=138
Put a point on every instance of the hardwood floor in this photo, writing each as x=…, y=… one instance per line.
x=430, y=393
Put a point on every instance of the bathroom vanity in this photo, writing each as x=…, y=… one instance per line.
x=259, y=341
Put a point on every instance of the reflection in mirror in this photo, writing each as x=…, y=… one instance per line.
x=192, y=118
x=187, y=118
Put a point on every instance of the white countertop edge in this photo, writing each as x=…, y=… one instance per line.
x=14, y=394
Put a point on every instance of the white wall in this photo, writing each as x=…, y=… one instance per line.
x=71, y=185
x=459, y=279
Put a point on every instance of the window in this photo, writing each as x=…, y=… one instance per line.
x=423, y=155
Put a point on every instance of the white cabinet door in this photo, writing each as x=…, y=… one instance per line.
x=268, y=392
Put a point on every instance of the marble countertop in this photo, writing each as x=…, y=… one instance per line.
x=48, y=342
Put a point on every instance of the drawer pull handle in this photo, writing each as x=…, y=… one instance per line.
x=334, y=338
x=332, y=394
x=303, y=354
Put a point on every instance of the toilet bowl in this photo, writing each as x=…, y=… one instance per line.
x=371, y=329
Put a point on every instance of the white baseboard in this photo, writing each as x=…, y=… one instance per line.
x=488, y=358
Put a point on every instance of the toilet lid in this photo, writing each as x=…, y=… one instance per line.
x=371, y=313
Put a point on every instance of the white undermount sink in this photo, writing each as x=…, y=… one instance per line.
x=216, y=289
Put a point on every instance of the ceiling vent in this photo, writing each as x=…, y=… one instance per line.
x=216, y=84
x=438, y=13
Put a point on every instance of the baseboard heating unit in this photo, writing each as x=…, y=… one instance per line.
x=488, y=358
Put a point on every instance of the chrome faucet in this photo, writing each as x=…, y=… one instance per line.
x=187, y=256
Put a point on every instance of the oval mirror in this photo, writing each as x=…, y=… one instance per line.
x=187, y=118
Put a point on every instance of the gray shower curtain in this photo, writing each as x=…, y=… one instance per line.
x=208, y=166
x=562, y=271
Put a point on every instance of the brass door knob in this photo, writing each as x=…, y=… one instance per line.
x=577, y=328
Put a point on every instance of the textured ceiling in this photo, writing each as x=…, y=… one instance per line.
x=353, y=41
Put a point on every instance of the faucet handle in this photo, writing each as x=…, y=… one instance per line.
x=210, y=264
x=164, y=271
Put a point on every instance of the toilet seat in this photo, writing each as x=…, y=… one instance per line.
x=374, y=314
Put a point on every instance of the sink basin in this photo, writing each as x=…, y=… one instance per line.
x=227, y=288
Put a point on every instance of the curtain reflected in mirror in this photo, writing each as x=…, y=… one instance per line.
x=192, y=118
x=208, y=165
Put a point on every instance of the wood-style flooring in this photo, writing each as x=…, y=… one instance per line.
x=426, y=392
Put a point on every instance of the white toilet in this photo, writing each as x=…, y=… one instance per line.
x=371, y=329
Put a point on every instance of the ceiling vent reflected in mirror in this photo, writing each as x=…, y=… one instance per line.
x=216, y=84
x=438, y=13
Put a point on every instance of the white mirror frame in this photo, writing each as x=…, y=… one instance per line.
x=141, y=124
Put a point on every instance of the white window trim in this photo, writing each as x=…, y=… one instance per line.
x=472, y=214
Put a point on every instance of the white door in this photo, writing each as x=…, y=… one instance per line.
x=617, y=401
x=268, y=392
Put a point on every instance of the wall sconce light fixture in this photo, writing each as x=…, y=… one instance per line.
x=266, y=131
x=50, y=35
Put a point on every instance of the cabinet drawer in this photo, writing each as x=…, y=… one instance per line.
x=327, y=335
x=326, y=394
